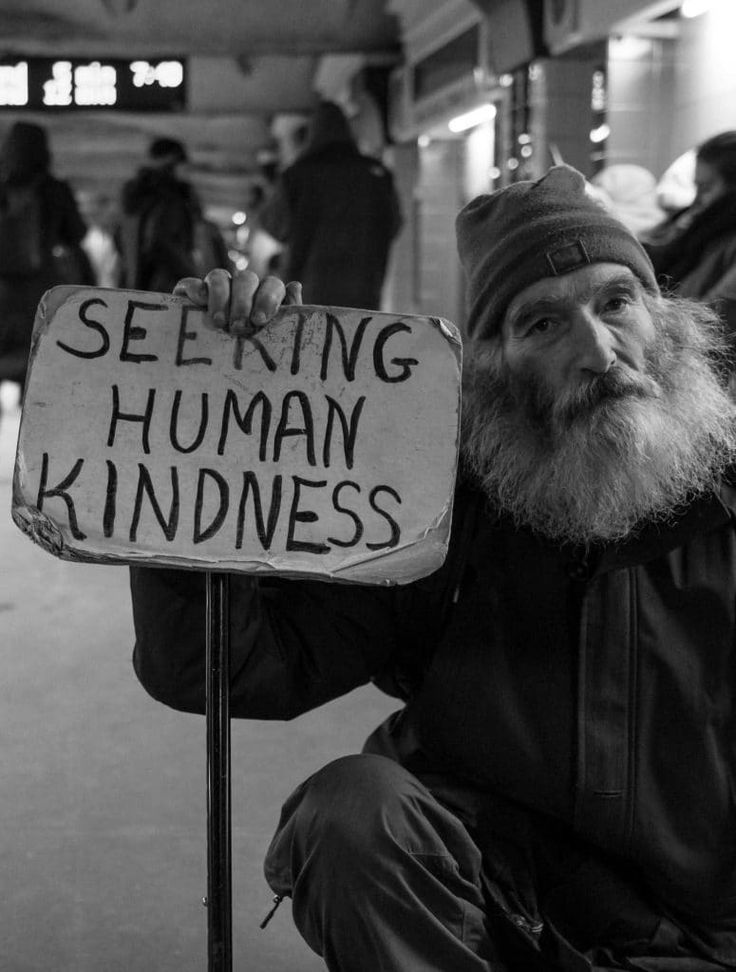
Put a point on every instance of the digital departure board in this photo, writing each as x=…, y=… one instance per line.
x=38, y=83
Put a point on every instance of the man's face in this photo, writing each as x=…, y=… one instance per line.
x=598, y=407
x=562, y=333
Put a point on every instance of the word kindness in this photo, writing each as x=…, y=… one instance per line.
x=147, y=433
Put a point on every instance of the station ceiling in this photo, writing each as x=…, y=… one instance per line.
x=246, y=61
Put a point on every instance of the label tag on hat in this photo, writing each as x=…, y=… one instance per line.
x=568, y=257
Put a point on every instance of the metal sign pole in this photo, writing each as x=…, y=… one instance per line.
x=219, y=850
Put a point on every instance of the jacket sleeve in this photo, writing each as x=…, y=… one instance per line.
x=713, y=282
x=721, y=290
x=293, y=644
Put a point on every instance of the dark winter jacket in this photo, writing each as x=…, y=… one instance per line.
x=596, y=692
x=337, y=212
x=699, y=260
x=159, y=215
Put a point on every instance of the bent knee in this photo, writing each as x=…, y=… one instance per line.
x=354, y=797
x=363, y=779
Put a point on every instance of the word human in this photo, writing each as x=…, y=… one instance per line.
x=293, y=419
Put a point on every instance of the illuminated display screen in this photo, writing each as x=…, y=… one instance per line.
x=66, y=83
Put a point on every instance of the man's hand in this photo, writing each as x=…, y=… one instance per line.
x=239, y=303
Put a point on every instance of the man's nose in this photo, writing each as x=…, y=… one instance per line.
x=594, y=344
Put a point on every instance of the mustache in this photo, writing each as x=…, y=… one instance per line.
x=615, y=385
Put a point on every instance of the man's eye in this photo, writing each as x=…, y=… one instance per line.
x=617, y=303
x=543, y=326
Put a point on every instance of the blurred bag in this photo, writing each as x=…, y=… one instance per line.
x=21, y=249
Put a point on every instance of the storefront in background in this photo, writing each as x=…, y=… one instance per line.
x=666, y=78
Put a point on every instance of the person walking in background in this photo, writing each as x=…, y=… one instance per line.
x=694, y=252
x=159, y=216
x=337, y=212
x=630, y=193
x=40, y=234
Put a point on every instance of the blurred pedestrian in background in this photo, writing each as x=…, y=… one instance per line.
x=676, y=186
x=160, y=212
x=694, y=251
x=337, y=212
x=630, y=193
x=40, y=234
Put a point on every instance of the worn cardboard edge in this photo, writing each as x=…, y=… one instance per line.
x=424, y=555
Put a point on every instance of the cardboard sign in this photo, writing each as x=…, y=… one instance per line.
x=324, y=445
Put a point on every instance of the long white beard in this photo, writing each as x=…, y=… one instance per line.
x=621, y=451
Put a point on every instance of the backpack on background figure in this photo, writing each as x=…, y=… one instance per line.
x=21, y=247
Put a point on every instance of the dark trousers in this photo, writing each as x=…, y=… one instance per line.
x=385, y=875
x=382, y=877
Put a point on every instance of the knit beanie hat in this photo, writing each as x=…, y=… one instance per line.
x=530, y=230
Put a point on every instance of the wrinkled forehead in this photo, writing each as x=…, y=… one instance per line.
x=577, y=287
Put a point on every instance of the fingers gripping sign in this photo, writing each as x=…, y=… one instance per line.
x=252, y=303
x=239, y=303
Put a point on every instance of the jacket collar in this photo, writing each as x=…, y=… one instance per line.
x=708, y=512
x=703, y=515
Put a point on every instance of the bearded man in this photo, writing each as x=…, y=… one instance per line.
x=558, y=791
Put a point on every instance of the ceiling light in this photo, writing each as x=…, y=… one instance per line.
x=600, y=134
x=627, y=48
x=694, y=8
x=470, y=119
